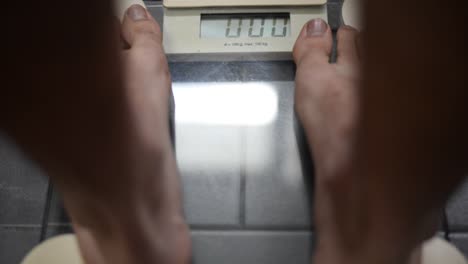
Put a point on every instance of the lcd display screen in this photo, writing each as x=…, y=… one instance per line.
x=232, y=26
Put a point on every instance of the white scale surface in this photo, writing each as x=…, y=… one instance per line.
x=214, y=27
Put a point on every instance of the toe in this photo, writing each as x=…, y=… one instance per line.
x=347, y=46
x=140, y=30
x=121, y=6
x=314, y=44
x=144, y=38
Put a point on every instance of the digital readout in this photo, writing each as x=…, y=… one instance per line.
x=233, y=26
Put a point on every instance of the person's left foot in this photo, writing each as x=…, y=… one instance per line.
x=327, y=103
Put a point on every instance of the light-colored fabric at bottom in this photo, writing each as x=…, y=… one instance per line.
x=64, y=249
x=58, y=250
x=439, y=251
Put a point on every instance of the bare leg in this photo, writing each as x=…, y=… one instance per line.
x=159, y=231
x=96, y=118
x=350, y=226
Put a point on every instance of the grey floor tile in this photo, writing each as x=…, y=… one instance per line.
x=252, y=247
x=22, y=187
x=57, y=213
x=56, y=230
x=208, y=154
x=457, y=210
x=460, y=240
x=276, y=193
x=16, y=242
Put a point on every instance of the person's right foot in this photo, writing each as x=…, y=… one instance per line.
x=141, y=219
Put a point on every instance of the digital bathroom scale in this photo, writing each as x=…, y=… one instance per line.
x=242, y=30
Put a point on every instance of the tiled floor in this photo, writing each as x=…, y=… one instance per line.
x=16, y=241
x=229, y=247
x=22, y=187
x=457, y=211
x=245, y=188
x=22, y=198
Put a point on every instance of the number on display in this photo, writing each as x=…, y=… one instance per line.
x=276, y=24
x=256, y=27
x=251, y=29
x=230, y=29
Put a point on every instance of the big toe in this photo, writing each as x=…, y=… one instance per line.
x=314, y=44
x=140, y=30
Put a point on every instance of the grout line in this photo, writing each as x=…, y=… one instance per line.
x=46, y=211
x=244, y=229
x=18, y=227
x=241, y=232
x=52, y=224
x=278, y=228
x=459, y=233
x=445, y=225
x=243, y=179
x=458, y=230
x=256, y=232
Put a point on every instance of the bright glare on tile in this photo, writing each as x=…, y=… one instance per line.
x=225, y=104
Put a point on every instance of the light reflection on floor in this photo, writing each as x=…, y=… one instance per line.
x=222, y=127
x=226, y=104
x=238, y=153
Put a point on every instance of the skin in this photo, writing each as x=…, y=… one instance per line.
x=327, y=103
x=160, y=232
x=390, y=145
x=114, y=164
x=106, y=144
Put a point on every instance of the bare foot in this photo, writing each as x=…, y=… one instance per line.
x=131, y=212
x=327, y=101
x=326, y=94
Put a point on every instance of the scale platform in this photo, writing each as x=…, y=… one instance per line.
x=236, y=30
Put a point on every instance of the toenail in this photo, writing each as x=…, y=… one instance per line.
x=137, y=13
x=316, y=27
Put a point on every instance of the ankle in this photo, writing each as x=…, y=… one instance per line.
x=165, y=239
